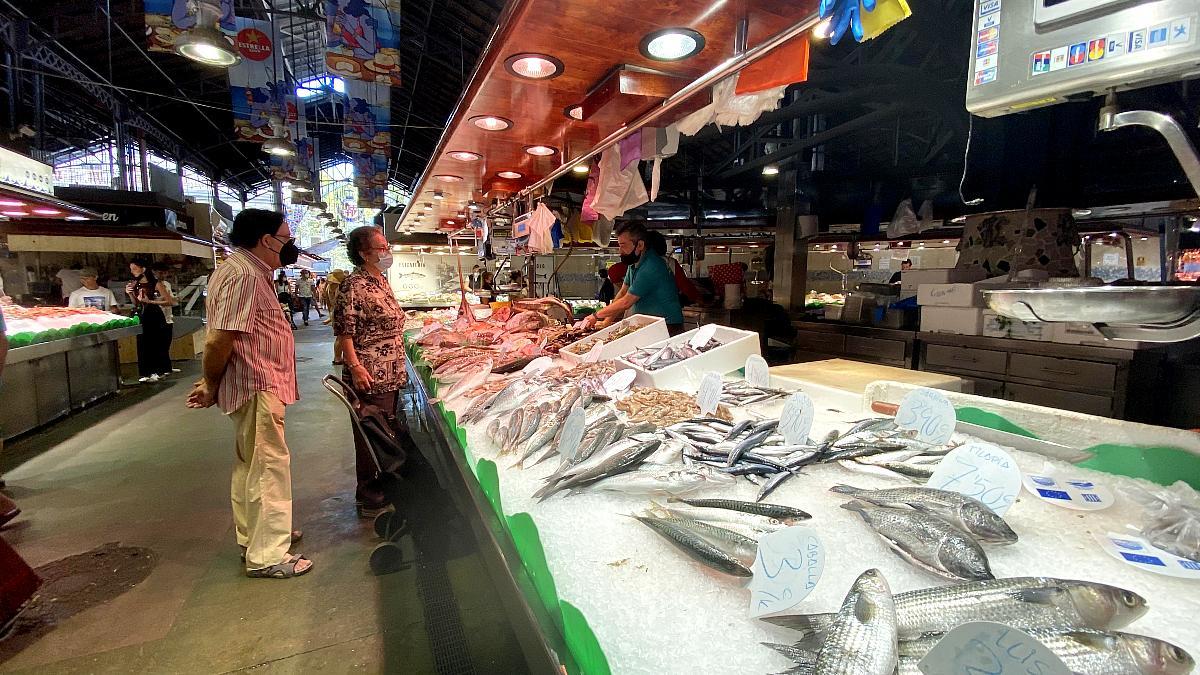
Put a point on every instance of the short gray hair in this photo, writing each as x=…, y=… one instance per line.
x=358, y=239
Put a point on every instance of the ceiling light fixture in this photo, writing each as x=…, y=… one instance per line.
x=491, y=123
x=823, y=29
x=11, y=202
x=533, y=66
x=77, y=218
x=770, y=170
x=580, y=168
x=301, y=187
x=204, y=43
x=448, y=178
x=438, y=194
x=465, y=156
x=513, y=175
x=671, y=44
x=279, y=144
x=48, y=212
x=574, y=112
x=540, y=150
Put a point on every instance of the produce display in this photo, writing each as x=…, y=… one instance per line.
x=650, y=513
x=31, y=325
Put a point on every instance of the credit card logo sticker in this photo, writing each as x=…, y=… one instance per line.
x=987, y=34
x=1058, y=59
x=1181, y=31
x=1043, y=480
x=985, y=76
x=1143, y=559
x=1158, y=35
x=985, y=63
x=1054, y=494
x=1116, y=45
x=1078, y=55
x=1137, y=41
x=989, y=7
x=989, y=21
x=1096, y=49
x=987, y=48
x=1041, y=65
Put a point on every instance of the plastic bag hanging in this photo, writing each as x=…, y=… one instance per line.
x=617, y=189
x=729, y=109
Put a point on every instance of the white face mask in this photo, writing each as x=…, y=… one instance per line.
x=385, y=261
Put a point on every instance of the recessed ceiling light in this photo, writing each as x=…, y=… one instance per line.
x=491, y=123
x=465, y=156
x=428, y=206
x=15, y=213
x=448, y=178
x=533, y=66
x=48, y=212
x=770, y=170
x=510, y=174
x=11, y=202
x=574, y=112
x=540, y=150
x=672, y=44
x=449, y=222
x=437, y=194
x=580, y=168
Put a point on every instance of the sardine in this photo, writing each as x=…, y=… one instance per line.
x=744, y=549
x=774, y=482
x=970, y=515
x=1020, y=602
x=695, y=546
x=862, y=640
x=669, y=482
x=927, y=541
x=784, y=514
x=628, y=454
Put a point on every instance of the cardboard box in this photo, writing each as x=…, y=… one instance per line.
x=1086, y=334
x=996, y=325
x=950, y=295
x=945, y=275
x=956, y=320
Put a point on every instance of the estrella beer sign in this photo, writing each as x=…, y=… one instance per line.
x=254, y=44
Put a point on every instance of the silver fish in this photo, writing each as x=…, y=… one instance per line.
x=749, y=524
x=735, y=544
x=1091, y=652
x=1020, y=602
x=784, y=514
x=862, y=640
x=616, y=458
x=672, y=481
x=970, y=515
x=695, y=546
x=927, y=541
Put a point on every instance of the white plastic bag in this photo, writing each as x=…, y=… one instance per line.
x=729, y=109
x=618, y=190
x=904, y=222
x=1171, y=518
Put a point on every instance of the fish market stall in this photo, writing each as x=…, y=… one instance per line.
x=60, y=359
x=610, y=573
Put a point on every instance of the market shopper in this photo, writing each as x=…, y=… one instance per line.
x=283, y=293
x=164, y=272
x=649, y=286
x=91, y=293
x=250, y=372
x=331, y=290
x=369, y=325
x=304, y=293
x=154, y=344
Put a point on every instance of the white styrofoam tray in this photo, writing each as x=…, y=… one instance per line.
x=737, y=346
x=653, y=329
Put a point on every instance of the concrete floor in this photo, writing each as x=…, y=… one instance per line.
x=141, y=470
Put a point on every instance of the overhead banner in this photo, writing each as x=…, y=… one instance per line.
x=371, y=179
x=168, y=19
x=368, y=114
x=257, y=84
x=364, y=40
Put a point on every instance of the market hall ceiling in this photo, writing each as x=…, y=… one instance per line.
x=189, y=104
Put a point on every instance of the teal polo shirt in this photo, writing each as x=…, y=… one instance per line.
x=654, y=285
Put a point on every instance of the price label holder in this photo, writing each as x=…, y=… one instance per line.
x=572, y=434
x=929, y=413
x=1137, y=552
x=619, y=381
x=1076, y=493
x=593, y=354
x=537, y=366
x=703, y=335
x=980, y=470
x=757, y=372
x=709, y=395
x=992, y=648
x=796, y=420
x=787, y=568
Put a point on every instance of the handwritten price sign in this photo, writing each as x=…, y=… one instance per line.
x=786, y=570
x=980, y=470
x=758, y=374
x=795, y=422
x=986, y=648
x=709, y=396
x=929, y=413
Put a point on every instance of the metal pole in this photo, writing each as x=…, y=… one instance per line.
x=143, y=160
x=720, y=71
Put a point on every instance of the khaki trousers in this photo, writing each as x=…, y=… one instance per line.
x=261, y=489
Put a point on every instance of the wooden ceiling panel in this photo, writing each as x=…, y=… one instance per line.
x=591, y=38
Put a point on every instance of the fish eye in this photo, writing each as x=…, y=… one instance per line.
x=1130, y=599
x=1176, y=653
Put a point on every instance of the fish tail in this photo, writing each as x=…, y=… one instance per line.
x=808, y=625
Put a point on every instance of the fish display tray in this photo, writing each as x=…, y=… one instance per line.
x=653, y=329
x=737, y=346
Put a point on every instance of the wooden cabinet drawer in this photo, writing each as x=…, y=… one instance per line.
x=876, y=349
x=988, y=388
x=1089, y=374
x=818, y=341
x=1055, y=398
x=965, y=358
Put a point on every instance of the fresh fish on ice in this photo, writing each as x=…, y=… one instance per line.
x=785, y=514
x=695, y=546
x=927, y=541
x=862, y=640
x=660, y=482
x=970, y=515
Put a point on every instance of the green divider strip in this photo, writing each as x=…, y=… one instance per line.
x=1162, y=465
x=528, y=543
x=990, y=420
x=489, y=482
x=582, y=642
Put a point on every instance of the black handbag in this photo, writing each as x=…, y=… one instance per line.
x=378, y=427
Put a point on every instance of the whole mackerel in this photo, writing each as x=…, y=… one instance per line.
x=971, y=515
x=735, y=544
x=862, y=640
x=695, y=546
x=1021, y=602
x=927, y=541
x=784, y=514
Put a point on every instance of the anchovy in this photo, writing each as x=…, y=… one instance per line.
x=695, y=546
x=750, y=442
x=927, y=541
x=774, y=482
x=785, y=514
x=738, y=429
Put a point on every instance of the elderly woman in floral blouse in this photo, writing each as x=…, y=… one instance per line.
x=369, y=325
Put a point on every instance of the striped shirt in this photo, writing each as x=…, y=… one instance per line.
x=241, y=298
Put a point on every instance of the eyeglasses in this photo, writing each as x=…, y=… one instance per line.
x=286, y=241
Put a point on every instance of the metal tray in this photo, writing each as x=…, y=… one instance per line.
x=1123, y=305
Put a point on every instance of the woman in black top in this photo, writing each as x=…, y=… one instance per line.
x=154, y=344
x=283, y=290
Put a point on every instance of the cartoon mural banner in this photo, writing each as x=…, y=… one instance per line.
x=168, y=19
x=371, y=179
x=368, y=115
x=364, y=40
x=257, y=85
x=302, y=168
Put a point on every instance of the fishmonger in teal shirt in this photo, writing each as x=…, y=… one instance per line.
x=649, y=286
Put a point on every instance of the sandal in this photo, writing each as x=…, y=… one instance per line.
x=297, y=535
x=283, y=570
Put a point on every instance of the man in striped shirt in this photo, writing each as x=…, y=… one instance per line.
x=250, y=373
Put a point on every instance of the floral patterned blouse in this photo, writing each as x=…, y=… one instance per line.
x=366, y=310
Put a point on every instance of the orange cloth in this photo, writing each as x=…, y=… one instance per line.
x=787, y=64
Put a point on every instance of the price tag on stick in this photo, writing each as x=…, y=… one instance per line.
x=619, y=381
x=538, y=366
x=709, y=396
x=929, y=413
x=980, y=470
x=593, y=354
x=757, y=373
x=703, y=335
x=787, y=568
x=796, y=421
x=993, y=648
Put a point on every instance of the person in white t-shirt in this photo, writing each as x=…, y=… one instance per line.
x=70, y=280
x=90, y=293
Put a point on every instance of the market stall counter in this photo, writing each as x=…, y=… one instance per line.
x=608, y=571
